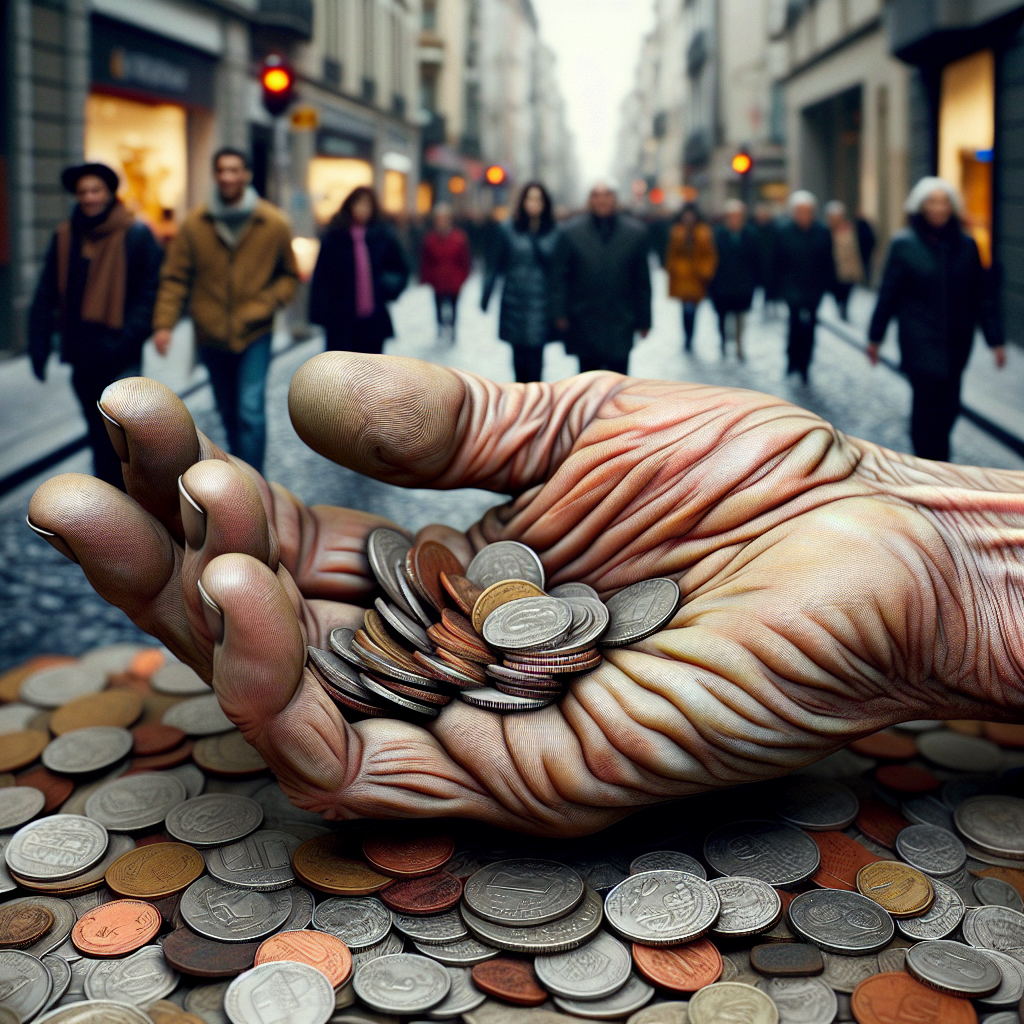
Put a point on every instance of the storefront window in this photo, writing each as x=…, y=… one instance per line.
x=331, y=178
x=395, y=198
x=966, y=135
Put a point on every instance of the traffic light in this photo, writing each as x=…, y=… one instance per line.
x=278, y=81
x=495, y=175
x=742, y=163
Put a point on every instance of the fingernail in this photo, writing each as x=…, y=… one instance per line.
x=118, y=438
x=213, y=615
x=193, y=518
x=53, y=540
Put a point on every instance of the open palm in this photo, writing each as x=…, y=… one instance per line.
x=830, y=587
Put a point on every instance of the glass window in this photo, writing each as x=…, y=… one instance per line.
x=331, y=178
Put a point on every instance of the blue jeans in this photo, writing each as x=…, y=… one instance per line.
x=239, y=382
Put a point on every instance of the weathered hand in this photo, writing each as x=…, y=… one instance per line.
x=830, y=587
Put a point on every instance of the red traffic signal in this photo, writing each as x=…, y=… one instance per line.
x=495, y=175
x=278, y=81
x=742, y=162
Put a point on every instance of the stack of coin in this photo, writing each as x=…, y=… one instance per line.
x=488, y=634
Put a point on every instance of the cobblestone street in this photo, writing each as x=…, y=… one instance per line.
x=46, y=605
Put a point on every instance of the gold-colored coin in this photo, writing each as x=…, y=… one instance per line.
x=326, y=863
x=155, y=871
x=498, y=594
x=21, y=748
x=898, y=888
x=374, y=629
x=108, y=707
x=227, y=753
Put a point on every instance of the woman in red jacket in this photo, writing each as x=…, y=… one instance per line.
x=445, y=263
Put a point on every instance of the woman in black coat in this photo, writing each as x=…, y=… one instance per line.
x=935, y=286
x=738, y=270
x=361, y=267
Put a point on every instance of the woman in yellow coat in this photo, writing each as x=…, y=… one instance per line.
x=691, y=260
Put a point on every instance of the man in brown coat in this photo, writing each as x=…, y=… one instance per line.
x=232, y=265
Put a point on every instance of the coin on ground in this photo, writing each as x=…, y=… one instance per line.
x=136, y=802
x=749, y=906
x=894, y=997
x=24, y=982
x=994, y=928
x=86, y=750
x=116, y=928
x=816, y=804
x=841, y=859
x=155, y=739
x=431, y=928
x=808, y=1000
x=931, y=849
x=786, y=959
x=108, y=707
x=430, y=894
x=228, y=753
x=324, y=862
x=777, y=854
x=544, y=891
x=407, y=857
x=24, y=924
x=262, y=860
x=327, y=953
x=662, y=908
x=941, y=920
x=141, y=978
x=52, y=687
x=213, y=819
x=96, y=1011
x=731, y=1000
x=514, y=981
x=401, y=985
x=996, y=892
x=179, y=679
x=226, y=914
x=155, y=871
x=55, y=848
x=667, y=860
x=19, y=804
x=898, y=888
x=994, y=823
x=841, y=922
x=633, y=995
x=684, y=968
x=593, y=971
x=22, y=748
x=880, y=823
x=280, y=991
x=199, y=716
x=465, y=953
x=359, y=923
x=199, y=957
x=953, y=968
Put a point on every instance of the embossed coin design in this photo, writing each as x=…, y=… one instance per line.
x=841, y=922
x=115, y=929
x=731, y=1000
x=505, y=560
x=328, y=954
x=593, y=971
x=639, y=611
x=402, y=984
x=931, y=849
x=135, y=802
x=56, y=848
x=941, y=920
x=23, y=925
x=280, y=991
x=898, y=888
x=359, y=923
x=403, y=856
x=777, y=854
x=748, y=906
x=523, y=892
x=155, y=871
x=262, y=860
x=87, y=750
x=213, y=819
x=227, y=914
x=667, y=860
x=680, y=968
x=662, y=908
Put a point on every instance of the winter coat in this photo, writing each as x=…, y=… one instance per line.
x=803, y=266
x=332, y=292
x=738, y=272
x=935, y=286
x=524, y=259
x=445, y=261
x=601, y=283
x=690, y=261
x=232, y=294
x=765, y=235
x=93, y=343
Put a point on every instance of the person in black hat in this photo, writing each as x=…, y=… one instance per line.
x=96, y=291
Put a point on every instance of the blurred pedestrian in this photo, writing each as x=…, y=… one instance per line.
x=96, y=290
x=523, y=256
x=936, y=288
x=601, y=284
x=846, y=255
x=445, y=263
x=764, y=227
x=737, y=273
x=866, y=244
x=360, y=269
x=231, y=267
x=803, y=262
x=690, y=260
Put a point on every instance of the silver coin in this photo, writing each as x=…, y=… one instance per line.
x=558, y=936
x=431, y=929
x=87, y=750
x=139, y=979
x=383, y=665
x=528, y=622
x=190, y=777
x=277, y=808
x=639, y=611
x=662, y=908
x=80, y=970
x=667, y=860
x=801, y=1000
x=505, y=560
x=731, y=1000
x=396, y=700
x=411, y=599
x=926, y=810
x=635, y=994
x=213, y=819
x=593, y=971
x=589, y=621
x=953, y=968
x=302, y=909
x=893, y=958
x=89, y=901
x=57, y=847
x=225, y=913
x=661, y=1012
x=19, y=804
x=777, y=854
x=25, y=984
x=261, y=861
x=1011, y=988
x=98, y=1011
x=207, y=1002
x=845, y=973
x=566, y=590
x=384, y=548
x=841, y=922
x=996, y=892
x=749, y=906
x=464, y=953
x=55, y=687
x=494, y=700
x=993, y=928
x=401, y=984
x=359, y=922
x=112, y=658
x=283, y=992
x=406, y=627
x=64, y=920
x=179, y=679
x=340, y=671
x=931, y=849
x=817, y=805
x=199, y=716
x=1003, y=1017
x=60, y=974
x=959, y=752
x=343, y=646
x=462, y=997
x=523, y=892
x=16, y=717
x=137, y=802
x=943, y=916
x=391, y=945
x=995, y=823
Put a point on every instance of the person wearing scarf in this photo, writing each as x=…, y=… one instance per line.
x=96, y=292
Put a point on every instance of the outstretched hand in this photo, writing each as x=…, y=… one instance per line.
x=830, y=587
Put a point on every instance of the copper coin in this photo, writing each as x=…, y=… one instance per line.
x=152, y=840
x=146, y=663
x=467, y=668
x=428, y=696
x=514, y=981
x=203, y=958
x=787, y=959
x=56, y=788
x=841, y=859
x=156, y=739
x=374, y=627
x=459, y=625
x=228, y=754
x=116, y=928
x=461, y=590
x=880, y=823
x=498, y=594
x=896, y=998
x=348, y=700
x=327, y=864
x=887, y=745
x=898, y=888
x=429, y=559
x=527, y=692
x=11, y=680
x=108, y=707
x=440, y=670
x=905, y=778
x=155, y=871
x=155, y=762
x=327, y=953
x=1003, y=733
x=680, y=968
x=128, y=681
x=21, y=748
x=407, y=856
x=23, y=924
x=441, y=637
x=430, y=894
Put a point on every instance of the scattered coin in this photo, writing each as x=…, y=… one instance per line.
x=402, y=984
x=993, y=823
x=931, y=849
x=155, y=739
x=630, y=998
x=55, y=848
x=139, y=979
x=505, y=560
x=55, y=788
x=905, y=778
x=325, y=863
x=213, y=819
x=961, y=753
x=228, y=914
x=116, y=928
x=407, y=856
x=19, y=804
x=685, y=968
x=807, y=1000
x=844, y=973
x=429, y=894
x=280, y=991
x=787, y=959
x=841, y=922
x=96, y=1011
x=662, y=908
x=1011, y=987
x=117, y=708
x=816, y=805
x=327, y=953
x=87, y=750
x=513, y=981
x=198, y=716
x=996, y=892
x=136, y=802
x=359, y=923
x=23, y=925
x=730, y=1000
x=262, y=861
x=527, y=622
x=155, y=871
x=667, y=860
x=179, y=679
x=593, y=971
x=898, y=888
x=942, y=918
x=53, y=687
x=749, y=906
x=880, y=823
x=464, y=953
x=953, y=968
x=200, y=957
x=21, y=748
x=993, y=928
x=25, y=984
x=523, y=892
x=228, y=754
x=777, y=854
x=432, y=928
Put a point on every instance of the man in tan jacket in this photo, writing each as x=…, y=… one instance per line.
x=232, y=265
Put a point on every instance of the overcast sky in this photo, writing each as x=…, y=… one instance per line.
x=597, y=42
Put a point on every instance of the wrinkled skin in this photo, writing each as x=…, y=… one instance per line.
x=831, y=587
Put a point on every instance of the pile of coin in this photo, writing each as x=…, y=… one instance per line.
x=487, y=633
x=166, y=879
